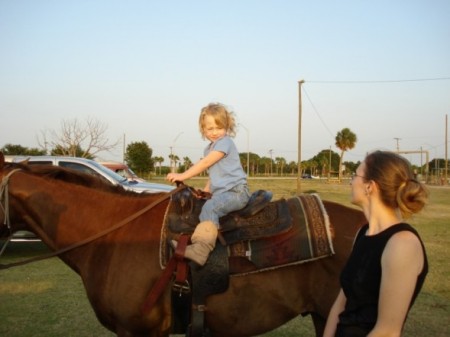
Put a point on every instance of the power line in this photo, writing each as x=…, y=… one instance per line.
x=317, y=113
x=382, y=81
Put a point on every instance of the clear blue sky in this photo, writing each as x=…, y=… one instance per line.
x=145, y=68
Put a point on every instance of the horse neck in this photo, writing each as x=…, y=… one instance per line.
x=345, y=222
x=63, y=213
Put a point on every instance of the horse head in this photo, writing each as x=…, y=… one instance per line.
x=10, y=220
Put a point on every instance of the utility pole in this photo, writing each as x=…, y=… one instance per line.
x=299, y=148
x=446, y=150
x=329, y=164
x=398, y=146
x=270, y=151
x=123, y=157
x=172, y=169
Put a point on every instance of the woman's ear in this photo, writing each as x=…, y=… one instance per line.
x=371, y=187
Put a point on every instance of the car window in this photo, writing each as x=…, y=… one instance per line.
x=83, y=168
x=79, y=167
x=121, y=172
x=110, y=173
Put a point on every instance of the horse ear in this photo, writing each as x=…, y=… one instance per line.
x=2, y=159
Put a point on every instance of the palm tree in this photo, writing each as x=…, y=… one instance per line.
x=322, y=165
x=254, y=159
x=292, y=167
x=187, y=163
x=314, y=165
x=173, y=162
x=158, y=160
x=306, y=167
x=280, y=162
x=266, y=162
x=243, y=158
x=345, y=140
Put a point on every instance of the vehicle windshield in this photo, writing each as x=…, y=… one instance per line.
x=117, y=177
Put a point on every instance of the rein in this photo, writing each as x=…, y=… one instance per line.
x=4, y=205
x=4, y=191
x=120, y=224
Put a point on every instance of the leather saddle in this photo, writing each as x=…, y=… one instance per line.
x=259, y=218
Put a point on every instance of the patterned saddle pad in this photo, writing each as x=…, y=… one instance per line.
x=309, y=239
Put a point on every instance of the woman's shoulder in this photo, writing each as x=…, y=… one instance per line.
x=402, y=229
x=404, y=243
x=405, y=237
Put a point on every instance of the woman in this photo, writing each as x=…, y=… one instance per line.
x=388, y=264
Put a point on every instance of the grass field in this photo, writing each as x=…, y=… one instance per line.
x=47, y=299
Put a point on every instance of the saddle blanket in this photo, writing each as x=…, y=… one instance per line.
x=309, y=239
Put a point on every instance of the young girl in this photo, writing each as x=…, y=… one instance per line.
x=227, y=180
x=387, y=267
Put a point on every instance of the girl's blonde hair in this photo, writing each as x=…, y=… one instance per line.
x=223, y=117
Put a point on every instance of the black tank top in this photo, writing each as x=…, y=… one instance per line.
x=361, y=279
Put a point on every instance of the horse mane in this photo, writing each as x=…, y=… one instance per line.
x=73, y=177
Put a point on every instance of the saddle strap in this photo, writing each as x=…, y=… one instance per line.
x=175, y=264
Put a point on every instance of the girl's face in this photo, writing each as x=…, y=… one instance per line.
x=211, y=130
x=359, y=186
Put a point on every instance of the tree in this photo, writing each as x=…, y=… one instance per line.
x=75, y=152
x=280, y=163
x=252, y=162
x=76, y=139
x=159, y=161
x=323, y=158
x=309, y=165
x=345, y=140
x=292, y=167
x=351, y=166
x=16, y=150
x=187, y=163
x=139, y=157
x=243, y=159
x=254, y=159
x=173, y=162
x=266, y=163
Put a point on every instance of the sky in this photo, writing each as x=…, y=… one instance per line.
x=146, y=68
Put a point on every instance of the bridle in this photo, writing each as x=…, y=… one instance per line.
x=5, y=207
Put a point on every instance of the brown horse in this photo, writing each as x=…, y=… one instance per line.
x=119, y=269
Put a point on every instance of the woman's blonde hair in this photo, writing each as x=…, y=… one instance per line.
x=398, y=186
x=223, y=117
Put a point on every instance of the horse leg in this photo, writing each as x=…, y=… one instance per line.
x=319, y=324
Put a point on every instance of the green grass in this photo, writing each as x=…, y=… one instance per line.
x=47, y=299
